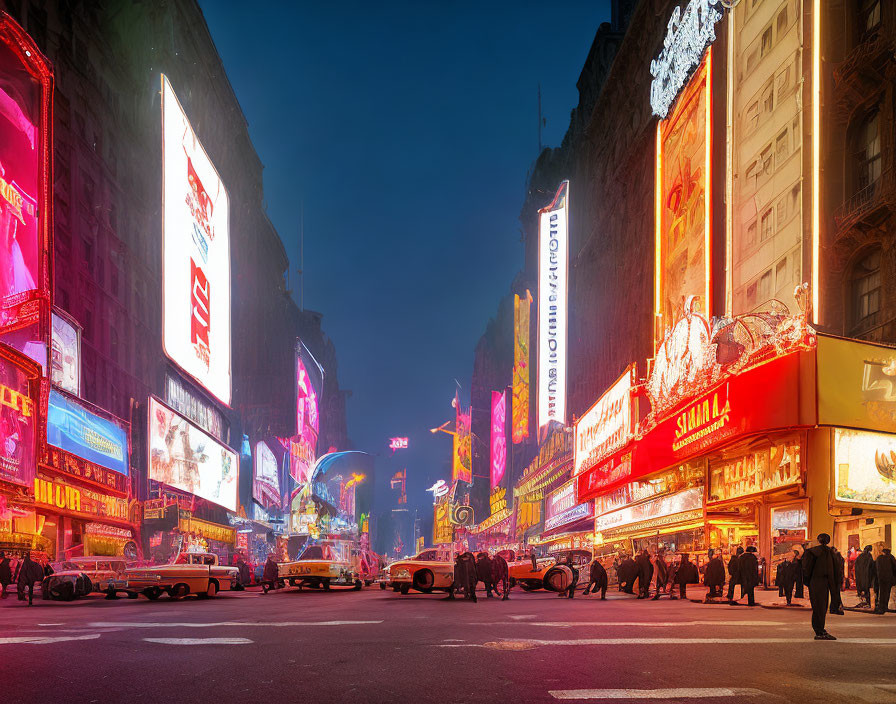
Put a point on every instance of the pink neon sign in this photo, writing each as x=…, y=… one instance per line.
x=499, y=437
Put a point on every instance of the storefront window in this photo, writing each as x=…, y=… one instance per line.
x=789, y=526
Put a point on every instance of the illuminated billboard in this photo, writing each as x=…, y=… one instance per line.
x=606, y=426
x=266, y=477
x=186, y=458
x=73, y=428
x=462, y=446
x=520, y=409
x=553, y=264
x=18, y=422
x=65, y=362
x=683, y=208
x=195, y=255
x=499, y=437
x=864, y=467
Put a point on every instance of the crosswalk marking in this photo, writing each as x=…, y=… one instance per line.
x=199, y=641
x=671, y=641
x=672, y=693
x=44, y=640
x=640, y=624
x=220, y=624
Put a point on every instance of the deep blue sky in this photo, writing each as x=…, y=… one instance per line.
x=408, y=129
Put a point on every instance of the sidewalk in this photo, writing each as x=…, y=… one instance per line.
x=766, y=598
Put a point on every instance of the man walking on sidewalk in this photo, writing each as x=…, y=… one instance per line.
x=819, y=573
x=886, y=576
x=734, y=573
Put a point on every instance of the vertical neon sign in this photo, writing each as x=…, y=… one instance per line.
x=499, y=437
x=520, y=418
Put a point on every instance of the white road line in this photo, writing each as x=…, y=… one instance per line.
x=51, y=624
x=219, y=624
x=675, y=641
x=44, y=640
x=672, y=693
x=199, y=641
x=645, y=624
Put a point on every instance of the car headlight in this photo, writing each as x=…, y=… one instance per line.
x=401, y=574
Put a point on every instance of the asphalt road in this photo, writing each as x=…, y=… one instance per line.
x=377, y=646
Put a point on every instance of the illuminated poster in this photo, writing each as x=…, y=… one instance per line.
x=606, y=426
x=196, y=255
x=17, y=426
x=865, y=467
x=309, y=382
x=499, y=437
x=520, y=419
x=266, y=477
x=186, y=458
x=463, y=447
x=65, y=364
x=553, y=263
x=442, y=528
x=683, y=210
x=71, y=427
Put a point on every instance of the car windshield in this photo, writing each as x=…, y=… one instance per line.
x=63, y=566
x=313, y=552
x=426, y=555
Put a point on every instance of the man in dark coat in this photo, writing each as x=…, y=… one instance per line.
x=628, y=573
x=865, y=573
x=245, y=576
x=598, y=579
x=661, y=569
x=748, y=573
x=465, y=576
x=645, y=574
x=484, y=569
x=734, y=572
x=270, y=575
x=571, y=590
x=685, y=574
x=714, y=577
x=819, y=572
x=785, y=577
x=27, y=573
x=5, y=574
x=501, y=576
x=885, y=565
x=839, y=574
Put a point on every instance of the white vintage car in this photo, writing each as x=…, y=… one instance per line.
x=428, y=571
x=191, y=573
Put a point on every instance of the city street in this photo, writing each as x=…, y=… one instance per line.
x=377, y=646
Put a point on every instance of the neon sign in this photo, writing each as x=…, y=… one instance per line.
x=606, y=426
x=398, y=444
x=196, y=254
x=689, y=33
x=439, y=489
x=553, y=265
x=499, y=437
x=520, y=406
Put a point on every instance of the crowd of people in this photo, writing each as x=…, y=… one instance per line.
x=24, y=573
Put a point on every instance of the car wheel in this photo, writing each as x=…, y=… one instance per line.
x=383, y=586
x=152, y=593
x=67, y=592
x=326, y=585
x=405, y=589
x=396, y=588
x=424, y=580
x=358, y=585
x=178, y=591
x=212, y=589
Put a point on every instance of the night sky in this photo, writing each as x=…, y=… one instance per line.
x=408, y=129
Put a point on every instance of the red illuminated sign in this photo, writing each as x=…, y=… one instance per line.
x=200, y=319
x=398, y=444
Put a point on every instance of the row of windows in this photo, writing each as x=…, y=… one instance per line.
x=772, y=156
x=772, y=35
x=773, y=219
x=771, y=96
x=780, y=277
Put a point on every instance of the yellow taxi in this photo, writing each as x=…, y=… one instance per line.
x=428, y=571
x=191, y=573
x=324, y=564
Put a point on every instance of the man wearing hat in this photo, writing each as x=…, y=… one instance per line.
x=819, y=572
x=748, y=568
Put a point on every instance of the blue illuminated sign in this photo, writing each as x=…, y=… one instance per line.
x=73, y=428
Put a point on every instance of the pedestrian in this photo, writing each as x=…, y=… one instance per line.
x=748, y=573
x=865, y=574
x=48, y=569
x=820, y=574
x=851, y=556
x=685, y=574
x=661, y=570
x=5, y=574
x=885, y=565
x=534, y=560
x=714, y=578
x=734, y=573
x=245, y=576
x=27, y=573
x=270, y=575
x=785, y=577
x=645, y=574
x=839, y=567
x=597, y=580
x=484, y=570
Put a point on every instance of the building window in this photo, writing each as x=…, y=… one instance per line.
x=766, y=46
x=781, y=274
x=867, y=155
x=768, y=97
x=782, y=22
x=782, y=147
x=767, y=225
x=765, y=286
x=865, y=290
x=767, y=162
x=751, y=234
x=753, y=116
x=751, y=296
x=781, y=211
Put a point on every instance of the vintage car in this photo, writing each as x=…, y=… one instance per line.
x=191, y=573
x=522, y=572
x=429, y=571
x=558, y=577
x=322, y=565
x=79, y=576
